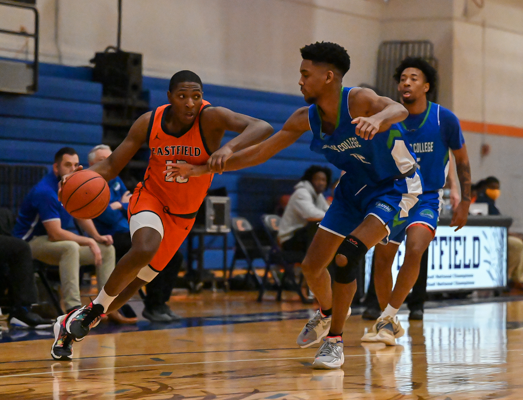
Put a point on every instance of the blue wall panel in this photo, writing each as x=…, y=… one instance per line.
x=50, y=109
x=22, y=151
x=69, y=89
x=50, y=131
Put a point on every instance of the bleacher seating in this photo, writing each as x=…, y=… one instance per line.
x=67, y=111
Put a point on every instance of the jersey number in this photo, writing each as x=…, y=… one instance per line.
x=169, y=177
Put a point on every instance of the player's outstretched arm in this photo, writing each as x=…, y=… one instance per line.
x=460, y=216
x=373, y=113
x=251, y=130
x=296, y=125
x=112, y=165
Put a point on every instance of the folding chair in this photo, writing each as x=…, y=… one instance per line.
x=247, y=248
x=287, y=259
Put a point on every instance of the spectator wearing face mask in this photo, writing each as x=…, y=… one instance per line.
x=488, y=192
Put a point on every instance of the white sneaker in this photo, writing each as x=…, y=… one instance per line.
x=385, y=330
x=330, y=354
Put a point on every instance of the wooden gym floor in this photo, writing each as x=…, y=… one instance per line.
x=230, y=347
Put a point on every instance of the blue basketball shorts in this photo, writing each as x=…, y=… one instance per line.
x=351, y=206
x=426, y=212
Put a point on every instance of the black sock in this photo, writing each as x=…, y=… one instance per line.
x=332, y=334
x=326, y=313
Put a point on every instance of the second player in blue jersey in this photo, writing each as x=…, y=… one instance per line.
x=434, y=132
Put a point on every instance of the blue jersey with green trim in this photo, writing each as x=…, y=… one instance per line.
x=367, y=162
x=431, y=135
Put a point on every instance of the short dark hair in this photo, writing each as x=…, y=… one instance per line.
x=327, y=52
x=64, y=150
x=491, y=179
x=481, y=185
x=431, y=75
x=313, y=170
x=184, y=76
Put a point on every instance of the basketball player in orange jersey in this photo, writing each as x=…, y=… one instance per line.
x=163, y=208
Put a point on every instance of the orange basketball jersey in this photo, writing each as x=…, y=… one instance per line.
x=179, y=196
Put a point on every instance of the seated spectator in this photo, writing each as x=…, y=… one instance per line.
x=306, y=207
x=16, y=267
x=488, y=192
x=49, y=229
x=113, y=221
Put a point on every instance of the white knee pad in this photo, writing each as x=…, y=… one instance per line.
x=147, y=274
x=145, y=219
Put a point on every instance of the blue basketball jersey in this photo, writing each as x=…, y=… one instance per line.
x=367, y=162
x=431, y=135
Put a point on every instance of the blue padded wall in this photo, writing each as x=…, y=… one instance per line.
x=66, y=111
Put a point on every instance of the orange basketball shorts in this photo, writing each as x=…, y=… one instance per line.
x=174, y=229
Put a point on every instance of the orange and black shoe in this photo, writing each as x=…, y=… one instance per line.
x=83, y=320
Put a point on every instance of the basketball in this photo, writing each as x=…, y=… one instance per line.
x=85, y=194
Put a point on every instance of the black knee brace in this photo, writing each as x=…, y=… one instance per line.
x=354, y=250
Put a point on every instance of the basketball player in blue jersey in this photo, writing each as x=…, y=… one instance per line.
x=381, y=181
x=433, y=131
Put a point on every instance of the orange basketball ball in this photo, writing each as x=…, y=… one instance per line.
x=85, y=194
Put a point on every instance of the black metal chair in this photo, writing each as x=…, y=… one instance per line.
x=248, y=248
x=287, y=259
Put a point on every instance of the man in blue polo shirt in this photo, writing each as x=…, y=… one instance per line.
x=113, y=221
x=49, y=229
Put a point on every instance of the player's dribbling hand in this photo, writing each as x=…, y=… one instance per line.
x=366, y=127
x=217, y=160
x=65, y=178
x=460, y=216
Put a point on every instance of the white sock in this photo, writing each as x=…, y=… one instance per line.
x=104, y=299
x=389, y=312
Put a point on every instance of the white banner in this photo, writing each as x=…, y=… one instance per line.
x=475, y=257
